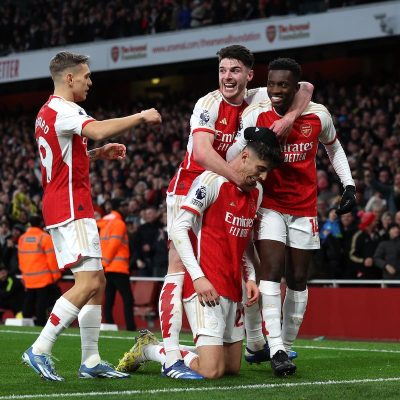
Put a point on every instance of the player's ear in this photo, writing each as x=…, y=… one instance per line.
x=250, y=75
x=69, y=78
x=244, y=155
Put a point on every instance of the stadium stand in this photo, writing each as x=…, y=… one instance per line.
x=24, y=26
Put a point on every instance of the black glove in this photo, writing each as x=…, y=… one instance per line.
x=348, y=200
x=262, y=134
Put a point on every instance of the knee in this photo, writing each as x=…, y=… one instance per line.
x=213, y=373
x=94, y=285
x=297, y=281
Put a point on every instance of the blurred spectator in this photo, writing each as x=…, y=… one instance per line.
x=376, y=203
x=115, y=250
x=384, y=223
x=10, y=250
x=387, y=254
x=363, y=245
x=21, y=202
x=11, y=293
x=40, y=272
x=146, y=241
x=331, y=226
x=160, y=258
x=394, y=194
x=335, y=248
x=397, y=218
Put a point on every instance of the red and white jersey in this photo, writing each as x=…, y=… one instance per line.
x=221, y=231
x=213, y=114
x=64, y=162
x=292, y=187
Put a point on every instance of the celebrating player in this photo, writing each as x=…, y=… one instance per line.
x=211, y=233
x=287, y=228
x=62, y=130
x=213, y=126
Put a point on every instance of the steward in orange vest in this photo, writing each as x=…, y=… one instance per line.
x=115, y=250
x=38, y=265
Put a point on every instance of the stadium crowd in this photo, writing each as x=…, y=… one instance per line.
x=367, y=119
x=36, y=24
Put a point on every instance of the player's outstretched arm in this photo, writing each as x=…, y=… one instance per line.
x=110, y=151
x=282, y=127
x=102, y=130
x=205, y=155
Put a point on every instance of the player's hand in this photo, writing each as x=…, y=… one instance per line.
x=282, y=127
x=253, y=293
x=112, y=151
x=151, y=116
x=206, y=292
x=348, y=200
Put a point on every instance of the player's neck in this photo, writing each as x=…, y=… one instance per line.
x=66, y=95
x=281, y=111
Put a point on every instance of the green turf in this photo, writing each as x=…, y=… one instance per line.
x=330, y=373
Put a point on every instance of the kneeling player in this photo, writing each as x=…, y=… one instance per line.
x=211, y=233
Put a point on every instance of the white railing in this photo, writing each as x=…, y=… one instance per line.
x=383, y=283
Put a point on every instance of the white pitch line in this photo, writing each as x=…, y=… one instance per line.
x=191, y=342
x=346, y=349
x=200, y=389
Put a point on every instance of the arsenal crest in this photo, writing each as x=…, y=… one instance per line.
x=306, y=129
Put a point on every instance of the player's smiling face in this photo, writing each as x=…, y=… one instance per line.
x=233, y=78
x=253, y=169
x=81, y=82
x=281, y=88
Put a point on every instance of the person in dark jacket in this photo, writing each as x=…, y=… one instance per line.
x=363, y=245
x=146, y=240
x=387, y=254
x=11, y=292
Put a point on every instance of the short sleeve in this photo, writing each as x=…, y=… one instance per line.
x=203, y=192
x=205, y=114
x=71, y=120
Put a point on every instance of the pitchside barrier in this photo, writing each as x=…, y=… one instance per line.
x=337, y=309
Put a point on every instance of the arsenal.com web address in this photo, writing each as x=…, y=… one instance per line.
x=207, y=43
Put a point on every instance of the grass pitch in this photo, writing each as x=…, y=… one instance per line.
x=325, y=370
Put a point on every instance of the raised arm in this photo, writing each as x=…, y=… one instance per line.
x=106, y=129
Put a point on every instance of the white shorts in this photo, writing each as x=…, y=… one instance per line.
x=75, y=241
x=87, y=264
x=174, y=203
x=214, y=326
x=296, y=232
